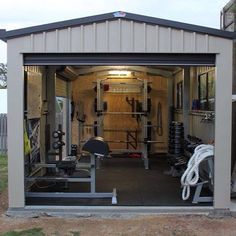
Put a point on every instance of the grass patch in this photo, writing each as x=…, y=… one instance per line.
x=28, y=232
x=75, y=233
x=3, y=173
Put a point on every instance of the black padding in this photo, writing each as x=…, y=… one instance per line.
x=96, y=145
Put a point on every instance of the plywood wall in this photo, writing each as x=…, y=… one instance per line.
x=83, y=95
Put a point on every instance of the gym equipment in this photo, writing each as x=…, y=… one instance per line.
x=105, y=88
x=194, y=172
x=159, y=120
x=96, y=146
x=132, y=104
x=138, y=105
x=176, y=149
x=191, y=143
x=74, y=150
x=208, y=117
x=142, y=114
x=149, y=105
x=58, y=144
x=176, y=138
x=72, y=110
x=131, y=137
x=149, y=135
x=105, y=106
x=95, y=129
x=96, y=149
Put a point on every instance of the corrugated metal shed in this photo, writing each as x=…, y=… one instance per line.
x=117, y=32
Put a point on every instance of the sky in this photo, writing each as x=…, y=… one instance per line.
x=17, y=14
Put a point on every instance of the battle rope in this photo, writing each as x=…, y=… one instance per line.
x=191, y=174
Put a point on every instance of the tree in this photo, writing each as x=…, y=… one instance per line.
x=3, y=75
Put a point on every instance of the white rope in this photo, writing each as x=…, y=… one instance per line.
x=191, y=174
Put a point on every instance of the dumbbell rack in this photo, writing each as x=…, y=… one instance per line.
x=176, y=138
x=176, y=149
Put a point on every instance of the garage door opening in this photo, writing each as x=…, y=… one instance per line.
x=149, y=118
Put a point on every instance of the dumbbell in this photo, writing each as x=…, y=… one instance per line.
x=58, y=144
x=57, y=134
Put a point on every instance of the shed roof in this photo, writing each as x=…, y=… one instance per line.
x=5, y=35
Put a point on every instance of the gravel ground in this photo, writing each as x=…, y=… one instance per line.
x=166, y=225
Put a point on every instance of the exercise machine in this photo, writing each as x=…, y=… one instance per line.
x=67, y=170
x=139, y=110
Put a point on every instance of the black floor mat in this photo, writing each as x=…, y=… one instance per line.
x=135, y=185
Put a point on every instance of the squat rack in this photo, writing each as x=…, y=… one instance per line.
x=143, y=84
x=143, y=115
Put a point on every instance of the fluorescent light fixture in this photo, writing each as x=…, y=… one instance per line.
x=119, y=72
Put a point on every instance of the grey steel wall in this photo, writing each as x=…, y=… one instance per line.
x=228, y=22
x=120, y=36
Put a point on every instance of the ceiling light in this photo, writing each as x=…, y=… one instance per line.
x=119, y=72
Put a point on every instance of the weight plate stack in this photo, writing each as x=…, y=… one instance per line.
x=176, y=138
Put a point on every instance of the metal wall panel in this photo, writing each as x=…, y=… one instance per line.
x=126, y=36
x=139, y=37
x=62, y=40
x=164, y=39
x=215, y=44
x=51, y=44
x=201, y=43
x=38, y=42
x=101, y=37
x=113, y=36
x=151, y=38
x=89, y=38
x=121, y=36
x=189, y=42
x=177, y=40
x=76, y=39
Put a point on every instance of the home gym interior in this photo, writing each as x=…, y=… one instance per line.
x=119, y=135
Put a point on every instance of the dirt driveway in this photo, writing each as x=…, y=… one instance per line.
x=171, y=225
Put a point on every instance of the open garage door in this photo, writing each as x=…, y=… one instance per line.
x=119, y=59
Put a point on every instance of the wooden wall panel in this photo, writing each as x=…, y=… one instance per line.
x=61, y=88
x=34, y=95
x=83, y=95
